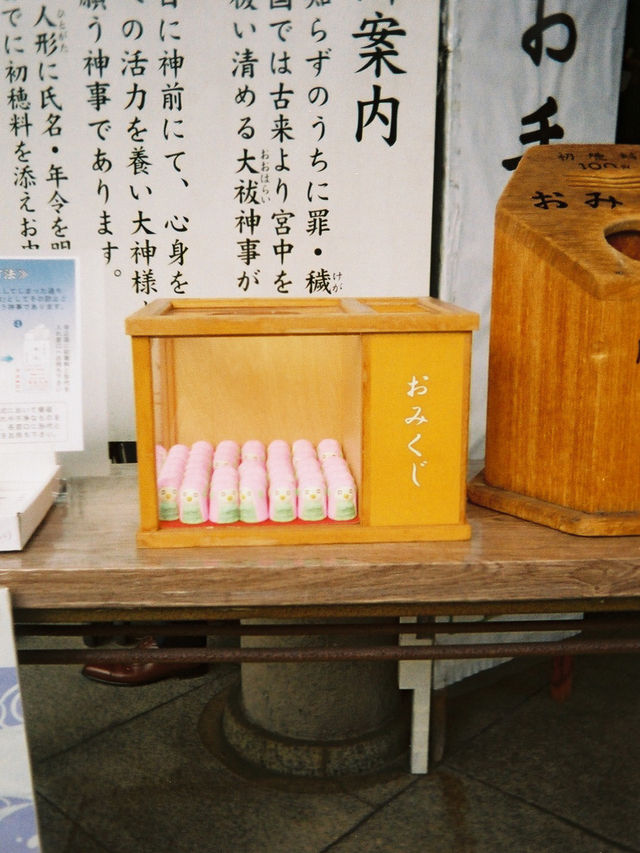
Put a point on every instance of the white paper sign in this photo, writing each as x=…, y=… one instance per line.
x=252, y=148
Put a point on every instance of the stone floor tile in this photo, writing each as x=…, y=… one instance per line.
x=58, y=834
x=482, y=700
x=579, y=758
x=376, y=793
x=62, y=707
x=119, y=770
x=445, y=812
x=150, y=786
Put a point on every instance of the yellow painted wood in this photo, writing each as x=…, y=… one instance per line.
x=415, y=428
x=145, y=433
x=164, y=390
x=216, y=369
x=294, y=534
x=564, y=372
x=356, y=306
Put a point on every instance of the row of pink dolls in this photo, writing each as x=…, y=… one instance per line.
x=254, y=483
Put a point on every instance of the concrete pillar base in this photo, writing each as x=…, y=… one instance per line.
x=288, y=756
x=322, y=719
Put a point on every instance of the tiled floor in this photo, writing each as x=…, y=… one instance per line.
x=122, y=770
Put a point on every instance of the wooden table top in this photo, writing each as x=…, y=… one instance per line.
x=84, y=555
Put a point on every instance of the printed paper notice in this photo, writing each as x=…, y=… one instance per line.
x=40, y=392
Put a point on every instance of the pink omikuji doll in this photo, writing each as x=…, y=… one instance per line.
x=252, y=468
x=278, y=447
x=168, y=488
x=329, y=447
x=177, y=452
x=194, y=500
x=302, y=448
x=227, y=454
x=282, y=494
x=202, y=446
x=224, y=506
x=253, y=449
x=200, y=458
x=169, y=481
x=312, y=496
x=341, y=497
x=253, y=498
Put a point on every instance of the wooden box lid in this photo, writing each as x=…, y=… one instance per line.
x=297, y=317
x=579, y=207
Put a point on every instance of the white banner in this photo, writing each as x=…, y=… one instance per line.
x=520, y=73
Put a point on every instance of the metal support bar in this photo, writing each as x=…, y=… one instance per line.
x=422, y=629
x=572, y=646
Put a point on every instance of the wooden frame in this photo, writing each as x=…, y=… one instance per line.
x=267, y=369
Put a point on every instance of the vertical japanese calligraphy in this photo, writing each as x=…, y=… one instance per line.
x=417, y=388
x=379, y=35
x=268, y=141
x=533, y=44
x=33, y=42
x=238, y=148
x=135, y=99
x=292, y=114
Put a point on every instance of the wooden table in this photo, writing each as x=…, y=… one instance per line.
x=82, y=569
x=82, y=564
x=84, y=557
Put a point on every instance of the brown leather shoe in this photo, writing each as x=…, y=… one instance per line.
x=137, y=674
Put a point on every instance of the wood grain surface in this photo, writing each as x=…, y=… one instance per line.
x=84, y=556
x=563, y=405
x=168, y=318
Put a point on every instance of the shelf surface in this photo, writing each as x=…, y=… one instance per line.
x=84, y=555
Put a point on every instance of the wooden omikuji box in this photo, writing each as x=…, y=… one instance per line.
x=563, y=415
x=387, y=378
